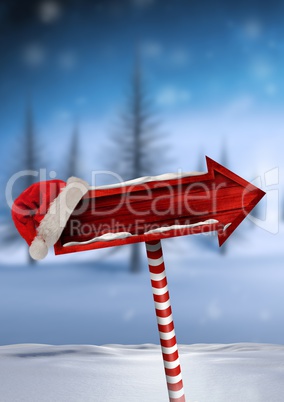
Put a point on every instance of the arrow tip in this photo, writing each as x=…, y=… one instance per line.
x=255, y=194
x=251, y=195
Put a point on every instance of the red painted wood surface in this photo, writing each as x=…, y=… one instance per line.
x=219, y=194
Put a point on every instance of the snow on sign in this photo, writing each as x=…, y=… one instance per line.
x=74, y=217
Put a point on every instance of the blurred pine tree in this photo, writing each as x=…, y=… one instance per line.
x=73, y=165
x=138, y=143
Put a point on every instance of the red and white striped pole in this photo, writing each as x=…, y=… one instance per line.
x=165, y=321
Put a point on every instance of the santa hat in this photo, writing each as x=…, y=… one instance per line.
x=41, y=212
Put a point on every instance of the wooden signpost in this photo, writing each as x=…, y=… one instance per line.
x=154, y=208
x=74, y=217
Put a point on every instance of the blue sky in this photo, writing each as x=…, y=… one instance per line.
x=201, y=61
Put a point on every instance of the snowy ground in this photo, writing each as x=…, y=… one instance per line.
x=115, y=373
x=216, y=300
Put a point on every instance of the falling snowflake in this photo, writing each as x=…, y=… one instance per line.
x=49, y=11
x=34, y=55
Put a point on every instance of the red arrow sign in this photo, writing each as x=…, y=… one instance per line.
x=149, y=209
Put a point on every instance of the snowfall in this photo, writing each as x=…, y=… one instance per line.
x=82, y=328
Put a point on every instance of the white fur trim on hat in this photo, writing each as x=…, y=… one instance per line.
x=54, y=222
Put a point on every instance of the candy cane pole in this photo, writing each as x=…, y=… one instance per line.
x=165, y=321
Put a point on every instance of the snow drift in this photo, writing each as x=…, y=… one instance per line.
x=116, y=373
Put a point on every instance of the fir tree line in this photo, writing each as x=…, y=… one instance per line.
x=136, y=145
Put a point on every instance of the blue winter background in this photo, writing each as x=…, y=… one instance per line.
x=214, y=74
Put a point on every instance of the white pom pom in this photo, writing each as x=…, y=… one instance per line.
x=38, y=249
